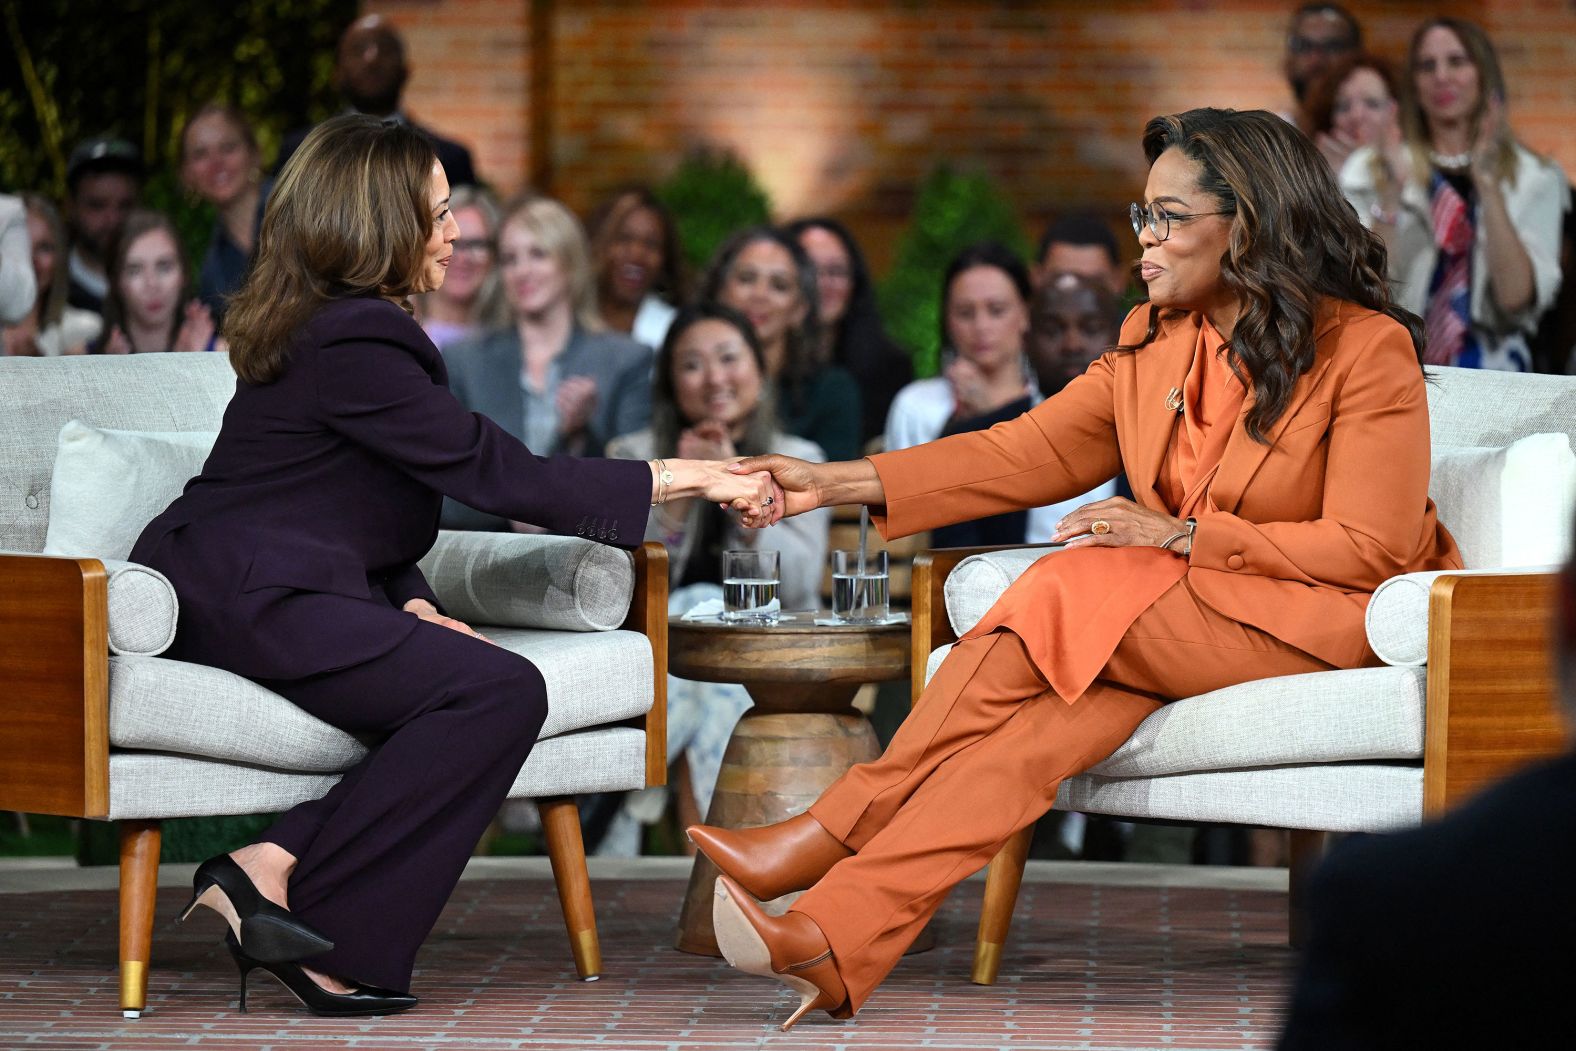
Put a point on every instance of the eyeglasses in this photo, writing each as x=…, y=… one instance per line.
x=1159, y=220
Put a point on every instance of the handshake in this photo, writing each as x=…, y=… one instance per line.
x=762, y=489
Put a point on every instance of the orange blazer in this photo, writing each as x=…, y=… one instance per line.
x=1308, y=524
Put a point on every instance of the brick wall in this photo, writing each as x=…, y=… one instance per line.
x=842, y=106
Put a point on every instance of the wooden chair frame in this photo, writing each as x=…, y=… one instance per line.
x=54, y=659
x=1490, y=710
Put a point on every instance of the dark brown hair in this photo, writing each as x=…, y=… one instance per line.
x=1294, y=240
x=350, y=215
x=603, y=225
x=139, y=223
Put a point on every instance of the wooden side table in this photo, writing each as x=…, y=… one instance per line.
x=802, y=734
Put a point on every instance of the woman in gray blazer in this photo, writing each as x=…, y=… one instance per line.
x=554, y=379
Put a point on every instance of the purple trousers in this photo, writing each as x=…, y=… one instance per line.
x=452, y=718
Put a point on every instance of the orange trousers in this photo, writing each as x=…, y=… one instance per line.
x=980, y=757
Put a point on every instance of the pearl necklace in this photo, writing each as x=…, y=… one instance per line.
x=1450, y=161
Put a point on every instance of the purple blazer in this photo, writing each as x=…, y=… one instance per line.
x=293, y=550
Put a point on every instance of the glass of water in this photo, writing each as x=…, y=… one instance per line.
x=749, y=587
x=860, y=597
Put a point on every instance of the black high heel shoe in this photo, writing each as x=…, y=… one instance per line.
x=365, y=1000
x=269, y=933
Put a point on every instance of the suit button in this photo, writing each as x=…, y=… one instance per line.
x=1235, y=562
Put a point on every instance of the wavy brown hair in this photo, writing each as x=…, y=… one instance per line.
x=1294, y=240
x=350, y=215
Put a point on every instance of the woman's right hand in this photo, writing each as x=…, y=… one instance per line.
x=795, y=479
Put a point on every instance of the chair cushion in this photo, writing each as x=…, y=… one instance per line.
x=148, y=786
x=163, y=705
x=108, y=484
x=1321, y=717
x=528, y=581
x=142, y=610
x=1508, y=506
x=1397, y=615
x=1329, y=797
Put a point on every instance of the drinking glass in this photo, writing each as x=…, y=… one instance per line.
x=749, y=587
x=860, y=597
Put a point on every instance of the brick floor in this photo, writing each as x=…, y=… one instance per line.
x=1094, y=967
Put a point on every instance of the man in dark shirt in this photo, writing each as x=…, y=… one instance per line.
x=370, y=72
x=103, y=183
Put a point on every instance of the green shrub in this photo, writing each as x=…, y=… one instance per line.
x=711, y=194
x=952, y=211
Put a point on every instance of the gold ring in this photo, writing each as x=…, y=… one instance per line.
x=1100, y=527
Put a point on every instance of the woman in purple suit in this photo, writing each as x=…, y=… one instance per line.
x=294, y=557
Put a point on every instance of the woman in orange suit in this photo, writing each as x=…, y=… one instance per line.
x=1267, y=405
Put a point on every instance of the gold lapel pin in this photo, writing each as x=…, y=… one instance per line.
x=1174, y=400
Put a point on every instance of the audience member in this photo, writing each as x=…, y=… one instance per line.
x=1471, y=218
x=1081, y=244
x=1457, y=934
x=763, y=274
x=852, y=335
x=711, y=399
x=470, y=301
x=53, y=326
x=635, y=251
x=1072, y=321
x=1353, y=105
x=985, y=377
x=18, y=286
x=103, y=184
x=370, y=71
x=1320, y=35
x=151, y=306
x=220, y=163
x=553, y=378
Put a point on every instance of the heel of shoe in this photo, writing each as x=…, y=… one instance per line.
x=245, y=967
x=212, y=895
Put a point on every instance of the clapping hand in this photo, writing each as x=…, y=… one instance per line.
x=1335, y=148
x=707, y=440
x=1489, y=143
x=576, y=401
x=196, y=328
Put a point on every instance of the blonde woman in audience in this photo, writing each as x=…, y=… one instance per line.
x=1470, y=216
x=221, y=164
x=150, y=307
x=712, y=400
x=470, y=300
x=54, y=326
x=553, y=378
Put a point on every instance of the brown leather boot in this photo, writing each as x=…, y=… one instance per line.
x=790, y=948
x=772, y=860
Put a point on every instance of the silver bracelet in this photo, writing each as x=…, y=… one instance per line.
x=1186, y=531
x=664, y=479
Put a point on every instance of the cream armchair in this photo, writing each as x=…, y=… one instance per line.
x=1465, y=695
x=96, y=725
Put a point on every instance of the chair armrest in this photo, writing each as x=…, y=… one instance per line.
x=1491, y=699
x=930, y=628
x=648, y=614
x=54, y=662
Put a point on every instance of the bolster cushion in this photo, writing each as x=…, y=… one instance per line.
x=521, y=580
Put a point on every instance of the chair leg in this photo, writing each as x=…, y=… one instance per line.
x=139, y=885
x=1001, y=895
x=1306, y=849
x=566, y=850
